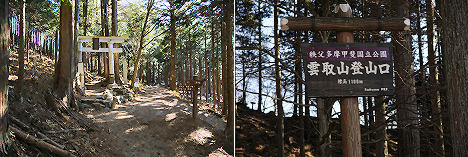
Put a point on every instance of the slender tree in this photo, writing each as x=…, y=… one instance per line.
x=172, y=79
x=4, y=55
x=438, y=146
x=142, y=41
x=21, y=50
x=230, y=88
x=114, y=33
x=260, y=83
x=279, y=100
x=381, y=149
x=105, y=32
x=408, y=139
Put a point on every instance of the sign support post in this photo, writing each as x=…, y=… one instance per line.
x=195, y=83
x=110, y=46
x=351, y=131
x=348, y=87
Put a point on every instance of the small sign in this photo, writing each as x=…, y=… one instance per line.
x=95, y=43
x=348, y=69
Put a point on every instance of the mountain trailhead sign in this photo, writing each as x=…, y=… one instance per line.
x=345, y=69
x=348, y=69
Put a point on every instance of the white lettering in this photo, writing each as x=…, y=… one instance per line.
x=328, y=69
x=313, y=68
x=356, y=67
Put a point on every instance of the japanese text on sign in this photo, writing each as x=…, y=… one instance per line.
x=341, y=69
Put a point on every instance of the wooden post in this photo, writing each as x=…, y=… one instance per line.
x=110, y=47
x=344, y=24
x=125, y=71
x=195, y=83
x=351, y=132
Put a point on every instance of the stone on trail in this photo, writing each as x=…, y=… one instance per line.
x=97, y=106
x=108, y=95
x=109, y=103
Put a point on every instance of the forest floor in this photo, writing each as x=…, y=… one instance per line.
x=156, y=123
x=159, y=123
x=256, y=134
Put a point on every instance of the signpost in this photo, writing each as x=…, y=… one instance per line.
x=347, y=70
x=195, y=83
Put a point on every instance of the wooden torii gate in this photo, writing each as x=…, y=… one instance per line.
x=344, y=25
x=96, y=40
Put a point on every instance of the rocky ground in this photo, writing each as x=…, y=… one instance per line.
x=110, y=121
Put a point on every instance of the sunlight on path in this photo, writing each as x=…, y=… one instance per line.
x=157, y=123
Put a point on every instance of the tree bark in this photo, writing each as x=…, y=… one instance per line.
x=172, y=79
x=4, y=58
x=213, y=65
x=438, y=146
x=207, y=70
x=141, y=43
x=381, y=132
x=455, y=45
x=105, y=32
x=63, y=78
x=224, y=36
x=19, y=82
x=279, y=101
x=408, y=139
x=260, y=83
x=85, y=32
x=229, y=98
x=218, y=81
x=115, y=33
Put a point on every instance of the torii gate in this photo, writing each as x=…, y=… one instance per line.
x=95, y=48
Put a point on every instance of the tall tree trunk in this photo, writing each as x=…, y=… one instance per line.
x=298, y=84
x=4, y=55
x=85, y=32
x=141, y=42
x=105, y=32
x=244, y=80
x=324, y=114
x=422, y=88
x=213, y=65
x=76, y=58
x=409, y=140
x=260, y=83
x=115, y=33
x=455, y=46
x=438, y=146
x=224, y=36
x=22, y=31
x=381, y=132
x=218, y=82
x=279, y=101
x=64, y=68
x=172, y=79
x=207, y=71
x=190, y=55
x=229, y=98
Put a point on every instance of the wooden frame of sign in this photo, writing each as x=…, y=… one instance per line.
x=348, y=69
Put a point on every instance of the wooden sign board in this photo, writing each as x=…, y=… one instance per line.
x=95, y=43
x=348, y=69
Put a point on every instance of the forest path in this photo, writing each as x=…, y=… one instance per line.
x=157, y=123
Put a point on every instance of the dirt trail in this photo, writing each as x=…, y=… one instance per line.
x=157, y=123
